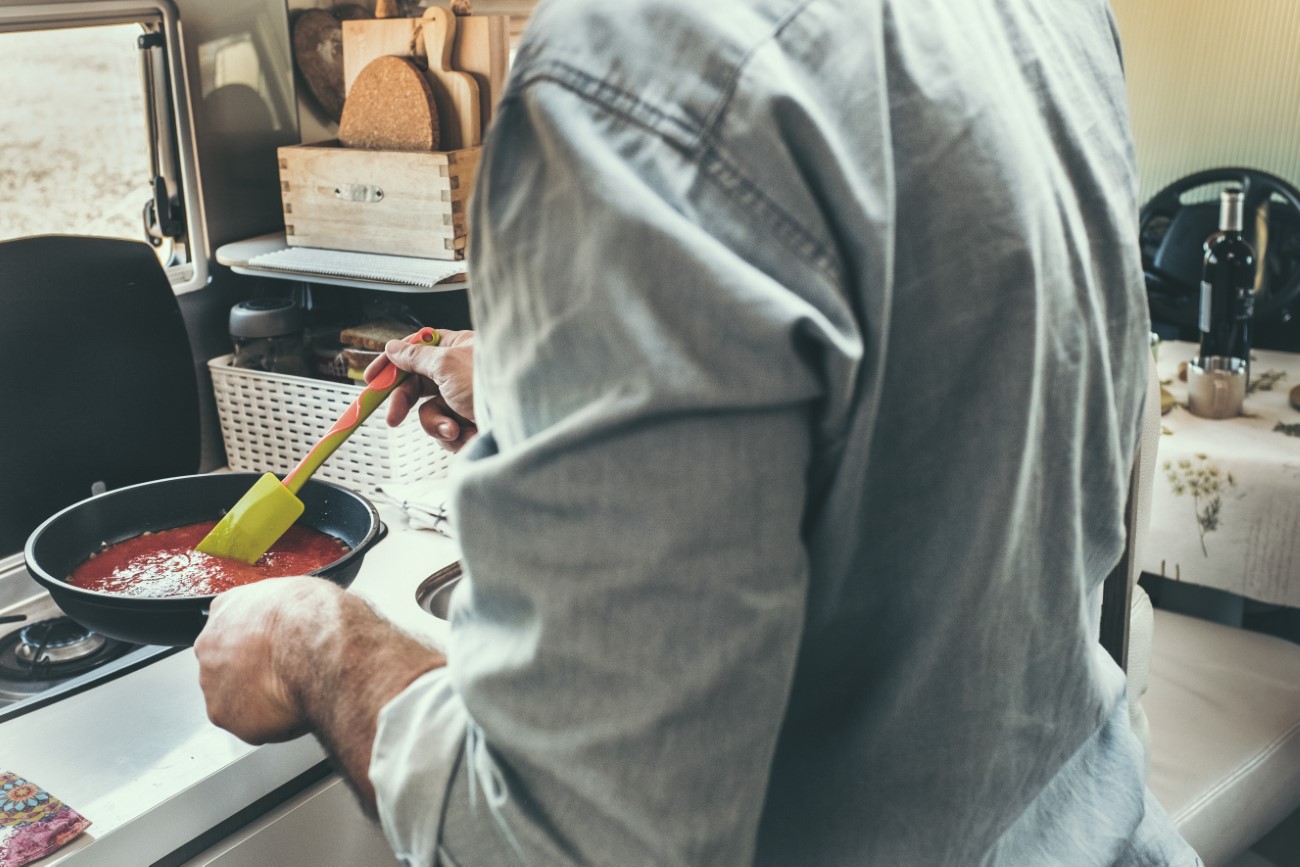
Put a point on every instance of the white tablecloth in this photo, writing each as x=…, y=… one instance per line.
x=1226, y=506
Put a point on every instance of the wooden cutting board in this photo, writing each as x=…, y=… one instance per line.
x=456, y=93
x=363, y=41
x=318, y=54
x=391, y=106
x=483, y=50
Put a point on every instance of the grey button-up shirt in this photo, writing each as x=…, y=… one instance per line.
x=811, y=345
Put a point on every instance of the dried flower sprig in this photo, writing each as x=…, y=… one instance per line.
x=1206, y=483
x=1265, y=381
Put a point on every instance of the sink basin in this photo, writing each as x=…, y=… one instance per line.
x=434, y=592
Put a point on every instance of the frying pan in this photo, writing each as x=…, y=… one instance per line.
x=68, y=538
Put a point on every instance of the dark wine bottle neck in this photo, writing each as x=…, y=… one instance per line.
x=1230, y=211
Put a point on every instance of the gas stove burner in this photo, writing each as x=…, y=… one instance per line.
x=48, y=652
x=57, y=641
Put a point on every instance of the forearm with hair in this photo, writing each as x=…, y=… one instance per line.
x=339, y=670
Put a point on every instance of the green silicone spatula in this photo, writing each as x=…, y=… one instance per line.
x=271, y=506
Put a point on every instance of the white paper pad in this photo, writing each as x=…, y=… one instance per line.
x=368, y=266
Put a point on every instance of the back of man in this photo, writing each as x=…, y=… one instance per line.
x=951, y=704
x=811, y=344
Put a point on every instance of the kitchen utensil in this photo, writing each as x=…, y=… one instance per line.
x=65, y=540
x=391, y=107
x=270, y=506
x=318, y=54
x=456, y=92
x=483, y=50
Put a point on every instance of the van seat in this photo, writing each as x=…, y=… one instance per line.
x=1224, y=709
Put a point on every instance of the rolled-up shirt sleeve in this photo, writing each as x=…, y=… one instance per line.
x=418, y=744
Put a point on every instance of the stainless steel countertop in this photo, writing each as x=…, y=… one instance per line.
x=138, y=757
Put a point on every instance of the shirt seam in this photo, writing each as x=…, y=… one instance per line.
x=613, y=99
x=697, y=142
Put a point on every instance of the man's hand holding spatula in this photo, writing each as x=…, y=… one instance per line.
x=442, y=372
x=272, y=506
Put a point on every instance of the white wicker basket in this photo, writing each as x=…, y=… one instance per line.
x=269, y=421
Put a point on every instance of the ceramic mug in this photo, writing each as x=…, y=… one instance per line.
x=1216, y=386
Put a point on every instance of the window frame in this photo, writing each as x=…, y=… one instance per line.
x=192, y=274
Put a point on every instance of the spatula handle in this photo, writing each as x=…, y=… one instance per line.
x=388, y=378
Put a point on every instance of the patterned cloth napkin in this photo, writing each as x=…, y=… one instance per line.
x=33, y=823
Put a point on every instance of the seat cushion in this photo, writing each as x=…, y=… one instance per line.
x=1224, y=710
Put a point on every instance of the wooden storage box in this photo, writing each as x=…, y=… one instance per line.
x=402, y=203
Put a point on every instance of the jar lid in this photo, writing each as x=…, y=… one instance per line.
x=265, y=317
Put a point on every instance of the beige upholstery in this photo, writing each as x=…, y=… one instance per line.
x=1224, y=708
x=1218, y=706
x=1141, y=628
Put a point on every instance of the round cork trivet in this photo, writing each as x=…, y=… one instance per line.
x=1295, y=397
x=390, y=107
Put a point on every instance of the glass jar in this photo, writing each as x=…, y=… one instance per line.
x=267, y=334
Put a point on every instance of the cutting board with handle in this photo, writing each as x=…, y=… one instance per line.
x=483, y=50
x=459, y=112
x=363, y=41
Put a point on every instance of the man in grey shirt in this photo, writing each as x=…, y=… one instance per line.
x=810, y=348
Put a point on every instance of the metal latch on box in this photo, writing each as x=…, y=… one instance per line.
x=358, y=193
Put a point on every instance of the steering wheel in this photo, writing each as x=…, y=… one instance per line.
x=1172, y=234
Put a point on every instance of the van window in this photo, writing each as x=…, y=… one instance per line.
x=95, y=129
x=76, y=143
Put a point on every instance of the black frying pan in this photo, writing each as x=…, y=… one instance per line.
x=68, y=538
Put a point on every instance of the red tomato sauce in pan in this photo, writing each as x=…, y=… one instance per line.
x=166, y=564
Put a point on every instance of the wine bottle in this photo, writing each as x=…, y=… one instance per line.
x=1227, y=286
